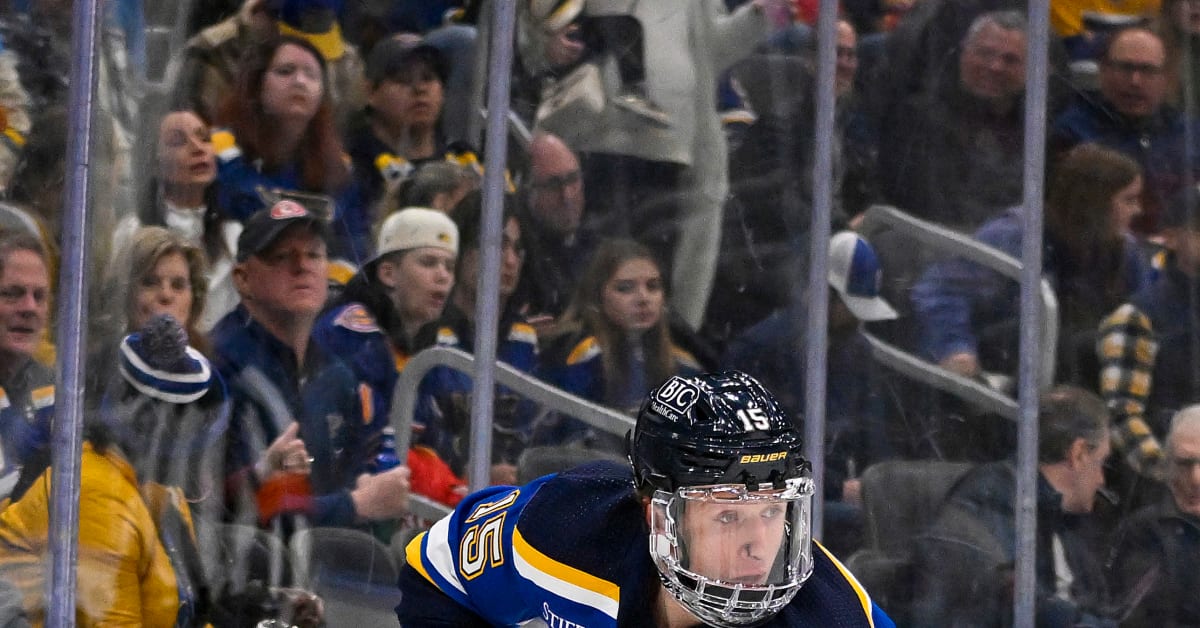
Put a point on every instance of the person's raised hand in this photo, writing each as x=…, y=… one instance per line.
x=285, y=453
x=964, y=363
x=382, y=496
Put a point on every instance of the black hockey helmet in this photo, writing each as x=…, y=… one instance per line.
x=730, y=497
x=716, y=428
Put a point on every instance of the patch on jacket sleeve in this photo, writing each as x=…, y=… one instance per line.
x=524, y=333
x=446, y=337
x=225, y=145
x=43, y=397
x=355, y=317
x=586, y=350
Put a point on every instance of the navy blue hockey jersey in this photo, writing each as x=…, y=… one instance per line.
x=572, y=549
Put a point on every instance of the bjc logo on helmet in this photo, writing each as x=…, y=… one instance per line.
x=678, y=394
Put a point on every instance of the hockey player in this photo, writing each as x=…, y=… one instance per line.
x=709, y=526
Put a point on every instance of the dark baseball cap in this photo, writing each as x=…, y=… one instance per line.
x=390, y=57
x=266, y=225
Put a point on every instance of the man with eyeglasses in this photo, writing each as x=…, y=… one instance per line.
x=1129, y=113
x=26, y=386
x=1159, y=547
x=558, y=244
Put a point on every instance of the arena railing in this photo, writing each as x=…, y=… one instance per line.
x=978, y=393
x=550, y=397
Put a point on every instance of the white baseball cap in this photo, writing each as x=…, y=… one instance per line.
x=416, y=227
x=855, y=273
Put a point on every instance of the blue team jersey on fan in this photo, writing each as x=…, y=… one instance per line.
x=572, y=549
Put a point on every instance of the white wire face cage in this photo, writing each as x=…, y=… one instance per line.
x=733, y=556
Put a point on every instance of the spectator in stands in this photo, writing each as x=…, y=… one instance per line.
x=439, y=185
x=292, y=399
x=613, y=343
x=280, y=136
x=148, y=453
x=1130, y=114
x=14, y=104
x=157, y=272
x=399, y=128
x=213, y=58
x=858, y=188
x=956, y=157
x=966, y=311
x=448, y=428
x=1083, y=24
x=162, y=273
x=385, y=316
x=558, y=242
x=664, y=183
x=965, y=561
x=42, y=41
x=1181, y=37
x=181, y=197
x=766, y=228
x=1159, y=547
x=1147, y=356
x=860, y=408
x=26, y=386
x=39, y=185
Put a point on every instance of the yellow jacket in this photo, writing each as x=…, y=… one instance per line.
x=125, y=577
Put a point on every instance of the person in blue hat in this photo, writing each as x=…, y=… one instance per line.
x=149, y=461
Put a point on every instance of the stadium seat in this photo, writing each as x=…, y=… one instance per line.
x=901, y=498
x=353, y=572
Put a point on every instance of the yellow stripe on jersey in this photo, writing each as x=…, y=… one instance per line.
x=446, y=336
x=42, y=397
x=685, y=358
x=412, y=554
x=584, y=351
x=340, y=271
x=4, y=402
x=858, y=588
x=564, y=580
x=14, y=136
x=225, y=145
x=401, y=359
x=366, y=397
x=523, y=332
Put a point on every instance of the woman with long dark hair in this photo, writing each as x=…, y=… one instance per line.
x=182, y=198
x=612, y=344
x=1089, y=257
x=280, y=136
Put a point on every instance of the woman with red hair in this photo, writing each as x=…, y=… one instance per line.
x=280, y=137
